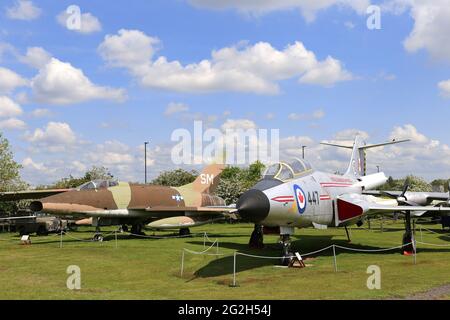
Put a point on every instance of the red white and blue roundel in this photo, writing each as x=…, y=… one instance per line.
x=300, y=197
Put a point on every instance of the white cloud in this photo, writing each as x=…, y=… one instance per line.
x=61, y=83
x=431, y=21
x=173, y=108
x=28, y=163
x=36, y=57
x=444, y=87
x=255, y=69
x=309, y=8
x=23, y=10
x=408, y=131
x=9, y=80
x=54, y=134
x=88, y=24
x=8, y=108
x=12, y=124
x=235, y=124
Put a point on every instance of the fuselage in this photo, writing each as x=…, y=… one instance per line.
x=304, y=201
x=125, y=200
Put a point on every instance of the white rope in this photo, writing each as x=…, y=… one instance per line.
x=443, y=235
x=375, y=250
x=433, y=244
x=204, y=251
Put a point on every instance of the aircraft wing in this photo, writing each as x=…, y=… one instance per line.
x=192, y=209
x=29, y=194
x=427, y=196
x=355, y=206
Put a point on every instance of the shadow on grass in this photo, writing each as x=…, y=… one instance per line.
x=307, y=244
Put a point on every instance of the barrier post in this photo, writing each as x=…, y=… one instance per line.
x=182, y=264
x=204, y=240
x=61, y=240
x=415, y=251
x=234, y=285
x=115, y=236
x=421, y=235
x=334, y=256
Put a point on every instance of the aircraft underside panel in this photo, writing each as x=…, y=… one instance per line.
x=348, y=211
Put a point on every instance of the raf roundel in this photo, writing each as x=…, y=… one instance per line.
x=301, y=199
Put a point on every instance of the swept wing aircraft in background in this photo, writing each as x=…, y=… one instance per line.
x=121, y=203
x=294, y=195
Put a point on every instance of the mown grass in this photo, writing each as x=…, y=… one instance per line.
x=150, y=268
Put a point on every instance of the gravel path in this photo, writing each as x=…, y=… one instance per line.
x=433, y=294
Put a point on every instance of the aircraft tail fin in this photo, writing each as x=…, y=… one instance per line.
x=357, y=167
x=208, y=180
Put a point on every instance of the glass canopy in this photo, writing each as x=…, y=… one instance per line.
x=98, y=184
x=287, y=170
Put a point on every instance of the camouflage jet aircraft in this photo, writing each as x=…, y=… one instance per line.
x=294, y=195
x=121, y=203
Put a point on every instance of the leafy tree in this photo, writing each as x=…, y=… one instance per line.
x=416, y=184
x=94, y=173
x=175, y=178
x=9, y=175
x=440, y=184
x=235, y=181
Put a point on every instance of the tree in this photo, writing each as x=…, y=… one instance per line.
x=235, y=181
x=416, y=184
x=175, y=178
x=9, y=174
x=95, y=173
x=440, y=185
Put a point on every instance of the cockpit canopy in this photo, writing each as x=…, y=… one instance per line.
x=288, y=170
x=98, y=184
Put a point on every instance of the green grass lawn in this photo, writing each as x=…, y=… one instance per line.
x=150, y=268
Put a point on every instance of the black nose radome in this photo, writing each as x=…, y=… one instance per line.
x=253, y=206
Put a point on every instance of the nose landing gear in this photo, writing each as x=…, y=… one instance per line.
x=285, y=242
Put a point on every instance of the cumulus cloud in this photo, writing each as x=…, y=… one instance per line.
x=444, y=87
x=88, y=23
x=60, y=83
x=54, y=134
x=13, y=124
x=308, y=8
x=9, y=108
x=9, y=80
x=36, y=57
x=431, y=18
x=23, y=10
x=255, y=69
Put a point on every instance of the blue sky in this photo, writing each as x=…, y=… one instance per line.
x=384, y=86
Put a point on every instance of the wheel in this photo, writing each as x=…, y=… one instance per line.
x=286, y=260
x=98, y=237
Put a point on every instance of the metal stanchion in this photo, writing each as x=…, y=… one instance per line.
x=182, y=264
x=61, y=240
x=115, y=236
x=234, y=285
x=335, y=261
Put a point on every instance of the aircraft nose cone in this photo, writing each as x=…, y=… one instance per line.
x=253, y=206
